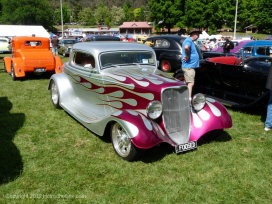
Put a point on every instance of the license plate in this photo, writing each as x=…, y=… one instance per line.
x=186, y=146
x=39, y=70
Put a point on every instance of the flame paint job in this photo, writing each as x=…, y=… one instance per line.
x=122, y=95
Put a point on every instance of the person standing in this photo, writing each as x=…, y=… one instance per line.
x=55, y=43
x=190, y=59
x=228, y=45
x=268, y=121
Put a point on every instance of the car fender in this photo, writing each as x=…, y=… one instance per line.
x=64, y=89
x=58, y=64
x=18, y=67
x=144, y=132
x=213, y=116
x=7, y=63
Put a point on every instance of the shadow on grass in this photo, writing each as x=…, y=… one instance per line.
x=258, y=111
x=159, y=152
x=11, y=164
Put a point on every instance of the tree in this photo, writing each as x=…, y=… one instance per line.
x=208, y=15
x=102, y=14
x=264, y=20
x=27, y=12
x=165, y=13
x=86, y=16
x=117, y=14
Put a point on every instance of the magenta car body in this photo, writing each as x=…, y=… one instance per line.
x=237, y=46
x=115, y=89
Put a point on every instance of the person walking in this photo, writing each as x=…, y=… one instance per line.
x=190, y=59
x=268, y=121
x=55, y=43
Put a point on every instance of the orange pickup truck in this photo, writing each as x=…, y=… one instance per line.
x=31, y=54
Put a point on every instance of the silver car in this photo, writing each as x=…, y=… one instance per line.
x=115, y=89
x=65, y=46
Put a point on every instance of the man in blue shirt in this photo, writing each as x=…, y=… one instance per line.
x=268, y=121
x=190, y=59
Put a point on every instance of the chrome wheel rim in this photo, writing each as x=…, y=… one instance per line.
x=120, y=140
x=165, y=66
x=54, y=93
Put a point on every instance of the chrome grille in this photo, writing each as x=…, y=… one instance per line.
x=176, y=113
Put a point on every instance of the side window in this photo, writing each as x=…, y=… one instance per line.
x=84, y=60
x=158, y=43
x=262, y=50
x=247, y=50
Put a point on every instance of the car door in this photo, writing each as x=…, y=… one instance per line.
x=87, y=85
x=255, y=74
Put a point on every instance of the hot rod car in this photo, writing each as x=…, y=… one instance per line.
x=31, y=54
x=116, y=86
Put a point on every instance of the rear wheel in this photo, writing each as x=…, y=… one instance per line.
x=122, y=144
x=166, y=66
x=55, y=94
x=12, y=73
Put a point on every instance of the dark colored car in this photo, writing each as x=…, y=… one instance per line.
x=168, y=49
x=102, y=38
x=234, y=81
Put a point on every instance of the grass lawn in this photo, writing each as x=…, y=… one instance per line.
x=47, y=157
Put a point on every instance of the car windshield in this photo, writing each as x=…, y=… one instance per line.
x=125, y=58
x=69, y=41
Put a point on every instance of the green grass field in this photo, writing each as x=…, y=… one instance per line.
x=47, y=157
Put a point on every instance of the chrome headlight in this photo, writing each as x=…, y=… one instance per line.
x=198, y=101
x=154, y=109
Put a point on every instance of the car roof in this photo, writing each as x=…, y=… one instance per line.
x=108, y=46
x=259, y=43
x=176, y=37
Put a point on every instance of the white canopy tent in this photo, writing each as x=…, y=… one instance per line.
x=22, y=30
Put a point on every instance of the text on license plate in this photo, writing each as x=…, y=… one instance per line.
x=186, y=146
x=39, y=70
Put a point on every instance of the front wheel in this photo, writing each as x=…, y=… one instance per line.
x=166, y=66
x=180, y=76
x=122, y=144
x=55, y=94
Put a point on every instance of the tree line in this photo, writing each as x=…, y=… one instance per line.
x=200, y=14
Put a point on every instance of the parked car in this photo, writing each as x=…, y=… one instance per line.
x=168, y=49
x=237, y=46
x=102, y=38
x=5, y=45
x=257, y=48
x=65, y=46
x=141, y=39
x=126, y=39
x=234, y=81
x=115, y=88
x=268, y=37
x=209, y=54
x=31, y=54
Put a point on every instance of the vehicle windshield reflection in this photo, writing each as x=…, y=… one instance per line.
x=126, y=58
